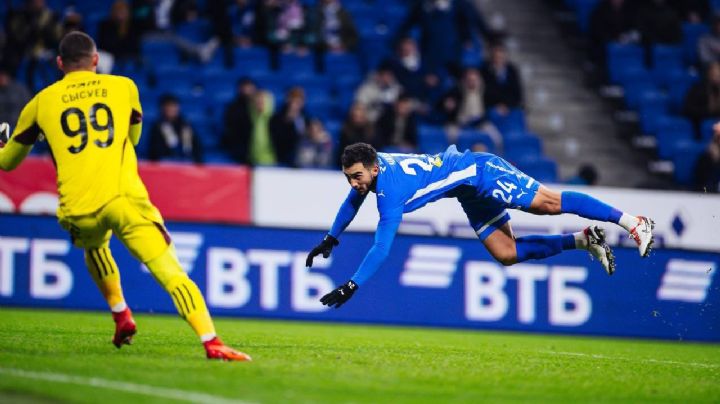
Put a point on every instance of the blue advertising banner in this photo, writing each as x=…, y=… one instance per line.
x=259, y=272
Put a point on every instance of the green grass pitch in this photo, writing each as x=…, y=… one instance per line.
x=50, y=356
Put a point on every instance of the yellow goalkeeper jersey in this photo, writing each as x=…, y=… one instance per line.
x=91, y=123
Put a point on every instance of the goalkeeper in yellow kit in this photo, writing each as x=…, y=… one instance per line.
x=92, y=122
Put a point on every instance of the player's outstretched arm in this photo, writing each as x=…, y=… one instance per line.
x=384, y=236
x=16, y=148
x=344, y=217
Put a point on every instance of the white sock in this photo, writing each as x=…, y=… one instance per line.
x=118, y=308
x=207, y=337
x=628, y=222
x=581, y=242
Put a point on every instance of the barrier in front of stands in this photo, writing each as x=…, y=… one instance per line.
x=181, y=191
x=432, y=281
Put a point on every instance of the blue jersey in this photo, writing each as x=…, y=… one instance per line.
x=405, y=182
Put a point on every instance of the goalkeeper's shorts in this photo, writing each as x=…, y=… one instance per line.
x=135, y=222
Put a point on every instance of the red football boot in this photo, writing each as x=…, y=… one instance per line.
x=215, y=349
x=124, y=328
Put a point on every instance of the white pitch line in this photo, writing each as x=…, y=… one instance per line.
x=597, y=356
x=136, y=388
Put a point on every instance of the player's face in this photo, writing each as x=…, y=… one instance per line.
x=360, y=177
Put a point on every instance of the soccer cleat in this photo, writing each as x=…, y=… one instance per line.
x=215, y=349
x=124, y=328
x=642, y=234
x=599, y=249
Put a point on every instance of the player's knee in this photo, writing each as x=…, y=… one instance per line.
x=506, y=257
x=546, y=202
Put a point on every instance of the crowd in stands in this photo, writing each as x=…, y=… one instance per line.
x=291, y=82
x=665, y=54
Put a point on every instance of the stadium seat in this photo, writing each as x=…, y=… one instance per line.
x=197, y=31
x=469, y=138
x=677, y=90
x=706, y=129
x=542, y=169
x=667, y=56
x=691, y=35
x=513, y=121
x=524, y=148
x=583, y=11
x=251, y=59
x=346, y=64
x=684, y=159
x=635, y=91
x=669, y=140
x=653, y=106
x=158, y=52
x=432, y=139
x=296, y=64
x=622, y=57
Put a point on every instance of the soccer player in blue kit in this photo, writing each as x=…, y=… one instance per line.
x=485, y=185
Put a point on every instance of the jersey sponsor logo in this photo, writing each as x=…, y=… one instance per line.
x=430, y=266
x=686, y=281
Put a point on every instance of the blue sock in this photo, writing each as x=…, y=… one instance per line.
x=588, y=207
x=536, y=247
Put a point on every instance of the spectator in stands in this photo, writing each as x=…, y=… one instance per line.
x=172, y=137
x=13, y=97
x=709, y=44
x=397, y=127
x=316, y=147
x=32, y=31
x=282, y=24
x=356, y=128
x=611, y=21
x=379, y=90
x=116, y=34
x=659, y=23
x=262, y=152
x=446, y=26
x=157, y=20
x=288, y=126
x=464, y=106
x=238, y=126
x=503, y=90
x=703, y=99
x=707, y=168
x=407, y=66
x=331, y=28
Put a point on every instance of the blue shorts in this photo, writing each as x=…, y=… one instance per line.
x=500, y=186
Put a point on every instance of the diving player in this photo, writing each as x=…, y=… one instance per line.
x=92, y=122
x=485, y=185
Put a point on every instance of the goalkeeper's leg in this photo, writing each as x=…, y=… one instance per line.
x=105, y=273
x=190, y=304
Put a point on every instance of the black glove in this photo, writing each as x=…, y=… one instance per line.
x=340, y=295
x=325, y=247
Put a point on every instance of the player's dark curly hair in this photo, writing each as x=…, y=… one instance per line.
x=359, y=153
x=76, y=48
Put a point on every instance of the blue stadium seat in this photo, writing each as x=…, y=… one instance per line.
x=523, y=148
x=677, y=90
x=197, y=31
x=653, y=105
x=637, y=91
x=513, y=121
x=670, y=139
x=432, y=139
x=159, y=52
x=706, y=129
x=542, y=169
x=296, y=64
x=346, y=64
x=208, y=134
x=333, y=128
x=684, y=160
x=249, y=59
x=373, y=50
x=621, y=58
x=667, y=56
x=472, y=57
x=469, y=138
x=583, y=11
x=691, y=35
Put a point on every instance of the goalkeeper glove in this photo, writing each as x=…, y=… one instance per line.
x=340, y=295
x=324, y=248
